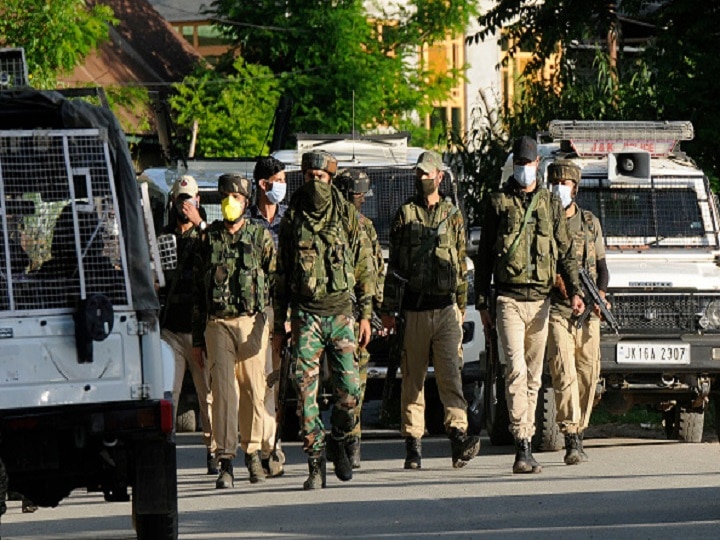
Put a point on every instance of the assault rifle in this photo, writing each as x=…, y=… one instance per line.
x=394, y=354
x=594, y=298
x=283, y=382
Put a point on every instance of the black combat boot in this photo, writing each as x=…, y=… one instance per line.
x=352, y=447
x=524, y=460
x=413, y=453
x=316, y=466
x=463, y=448
x=253, y=462
x=211, y=464
x=337, y=451
x=572, y=449
x=583, y=456
x=225, y=478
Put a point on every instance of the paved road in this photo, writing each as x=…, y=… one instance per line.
x=631, y=488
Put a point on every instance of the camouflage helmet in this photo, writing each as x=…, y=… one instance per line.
x=235, y=183
x=352, y=181
x=319, y=160
x=563, y=169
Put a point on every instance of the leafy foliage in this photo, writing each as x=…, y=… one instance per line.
x=56, y=35
x=233, y=110
x=341, y=69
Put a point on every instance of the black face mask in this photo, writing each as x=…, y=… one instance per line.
x=317, y=196
x=425, y=186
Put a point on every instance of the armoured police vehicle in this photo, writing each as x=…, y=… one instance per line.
x=84, y=383
x=389, y=162
x=662, y=235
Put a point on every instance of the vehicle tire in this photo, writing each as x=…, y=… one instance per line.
x=186, y=422
x=495, y=404
x=690, y=425
x=155, y=489
x=548, y=437
x=684, y=425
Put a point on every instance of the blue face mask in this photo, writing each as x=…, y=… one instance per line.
x=564, y=192
x=276, y=193
x=525, y=175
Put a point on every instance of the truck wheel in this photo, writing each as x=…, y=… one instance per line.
x=684, y=424
x=186, y=422
x=154, y=494
x=690, y=425
x=548, y=437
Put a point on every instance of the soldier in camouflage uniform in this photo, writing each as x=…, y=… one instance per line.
x=574, y=353
x=323, y=257
x=524, y=236
x=355, y=184
x=232, y=270
x=427, y=252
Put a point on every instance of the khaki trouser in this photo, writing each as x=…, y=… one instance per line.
x=271, y=394
x=181, y=345
x=574, y=358
x=237, y=351
x=522, y=331
x=438, y=331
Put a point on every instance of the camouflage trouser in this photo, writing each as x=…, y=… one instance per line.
x=311, y=336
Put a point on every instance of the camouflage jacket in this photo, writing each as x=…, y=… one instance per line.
x=524, y=259
x=177, y=295
x=231, y=274
x=321, y=271
x=378, y=259
x=589, y=247
x=427, y=247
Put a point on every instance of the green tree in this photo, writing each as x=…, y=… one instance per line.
x=56, y=35
x=233, y=110
x=340, y=68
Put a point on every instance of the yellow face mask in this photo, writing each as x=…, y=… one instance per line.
x=232, y=209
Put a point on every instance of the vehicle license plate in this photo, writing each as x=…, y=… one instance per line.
x=653, y=353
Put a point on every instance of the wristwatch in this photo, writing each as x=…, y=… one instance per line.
x=202, y=226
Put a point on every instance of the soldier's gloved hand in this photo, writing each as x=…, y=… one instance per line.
x=273, y=377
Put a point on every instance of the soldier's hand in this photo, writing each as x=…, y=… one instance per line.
x=578, y=305
x=191, y=212
x=199, y=354
x=596, y=308
x=273, y=377
x=388, y=322
x=487, y=320
x=364, y=333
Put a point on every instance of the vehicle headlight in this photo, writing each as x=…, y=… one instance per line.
x=710, y=319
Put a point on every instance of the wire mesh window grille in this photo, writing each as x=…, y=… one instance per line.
x=13, y=69
x=670, y=216
x=659, y=312
x=61, y=239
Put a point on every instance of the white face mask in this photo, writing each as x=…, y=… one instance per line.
x=525, y=175
x=276, y=193
x=564, y=192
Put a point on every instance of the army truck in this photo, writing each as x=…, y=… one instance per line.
x=84, y=380
x=662, y=236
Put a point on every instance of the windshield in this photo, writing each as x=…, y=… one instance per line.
x=667, y=216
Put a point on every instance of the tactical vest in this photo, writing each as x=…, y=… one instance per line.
x=428, y=254
x=238, y=282
x=584, y=241
x=323, y=259
x=533, y=258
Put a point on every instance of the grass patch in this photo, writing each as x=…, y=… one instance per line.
x=639, y=414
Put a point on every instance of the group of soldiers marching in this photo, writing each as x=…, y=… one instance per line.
x=308, y=276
